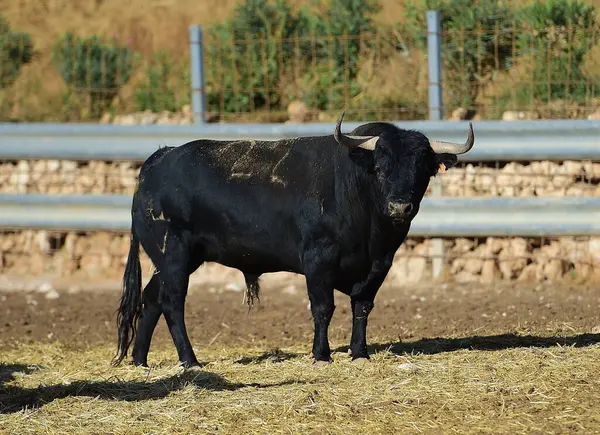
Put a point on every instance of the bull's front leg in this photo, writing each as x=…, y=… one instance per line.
x=319, y=282
x=361, y=308
x=322, y=307
x=362, y=301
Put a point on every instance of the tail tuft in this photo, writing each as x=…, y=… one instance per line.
x=252, y=289
x=131, y=301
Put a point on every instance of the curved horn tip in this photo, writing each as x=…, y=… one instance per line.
x=340, y=119
x=338, y=127
x=470, y=136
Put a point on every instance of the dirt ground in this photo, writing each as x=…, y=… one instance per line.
x=216, y=316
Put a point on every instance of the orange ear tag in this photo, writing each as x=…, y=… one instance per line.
x=442, y=167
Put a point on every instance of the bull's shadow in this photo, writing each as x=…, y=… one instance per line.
x=14, y=399
x=431, y=346
x=273, y=356
x=7, y=371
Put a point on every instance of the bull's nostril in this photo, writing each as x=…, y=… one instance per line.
x=400, y=209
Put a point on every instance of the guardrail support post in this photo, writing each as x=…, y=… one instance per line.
x=197, y=65
x=434, y=59
x=436, y=113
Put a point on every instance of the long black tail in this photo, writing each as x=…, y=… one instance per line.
x=131, y=300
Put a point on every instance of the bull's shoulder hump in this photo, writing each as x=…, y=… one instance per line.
x=157, y=156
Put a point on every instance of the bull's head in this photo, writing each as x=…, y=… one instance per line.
x=403, y=162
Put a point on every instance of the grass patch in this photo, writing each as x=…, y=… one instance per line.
x=542, y=387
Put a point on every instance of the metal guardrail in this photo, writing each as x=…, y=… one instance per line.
x=438, y=217
x=494, y=140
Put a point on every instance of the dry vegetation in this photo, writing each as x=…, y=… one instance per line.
x=53, y=389
x=145, y=26
x=149, y=26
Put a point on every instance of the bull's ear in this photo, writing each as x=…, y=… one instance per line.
x=445, y=161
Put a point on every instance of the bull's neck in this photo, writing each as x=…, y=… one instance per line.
x=357, y=193
x=356, y=188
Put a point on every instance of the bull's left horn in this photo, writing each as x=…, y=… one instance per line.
x=365, y=142
x=454, y=148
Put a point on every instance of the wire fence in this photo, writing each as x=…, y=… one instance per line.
x=511, y=71
x=545, y=73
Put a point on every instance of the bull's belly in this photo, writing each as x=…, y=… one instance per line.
x=255, y=264
x=259, y=258
x=250, y=259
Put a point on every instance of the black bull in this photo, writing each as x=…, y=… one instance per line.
x=333, y=208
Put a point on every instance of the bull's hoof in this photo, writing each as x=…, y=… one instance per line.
x=321, y=363
x=361, y=361
x=142, y=364
x=191, y=364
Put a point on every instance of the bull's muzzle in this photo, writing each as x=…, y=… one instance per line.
x=400, y=210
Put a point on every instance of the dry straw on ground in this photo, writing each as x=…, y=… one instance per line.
x=54, y=389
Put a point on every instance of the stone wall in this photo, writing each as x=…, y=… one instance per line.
x=102, y=256
x=572, y=178
x=68, y=177
x=543, y=178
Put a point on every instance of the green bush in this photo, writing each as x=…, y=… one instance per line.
x=337, y=50
x=93, y=67
x=346, y=18
x=243, y=68
x=476, y=36
x=556, y=37
x=255, y=57
x=165, y=87
x=16, y=50
x=323, y=88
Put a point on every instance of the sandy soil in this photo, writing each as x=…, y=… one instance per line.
x=216, y=315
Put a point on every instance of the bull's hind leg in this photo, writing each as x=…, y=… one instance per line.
x=174, y=279
x=151, y=312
